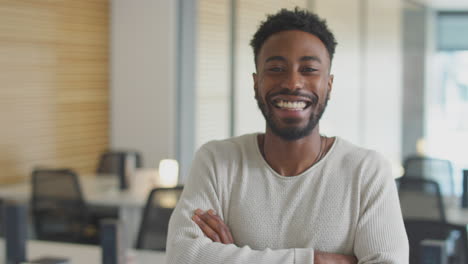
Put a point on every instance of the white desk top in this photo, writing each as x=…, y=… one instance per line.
x=457, y=215
x=78, y=254
x=103, y=190
x=454, y=213
x=97, y=189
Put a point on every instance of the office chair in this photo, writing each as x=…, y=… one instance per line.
x=59, y=209
x=454, y=235
x=438, y=170
x=115, y=162
x=420, y=199
x=155, y=220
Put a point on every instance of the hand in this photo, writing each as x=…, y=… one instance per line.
x=213, y=226
x=331, y=258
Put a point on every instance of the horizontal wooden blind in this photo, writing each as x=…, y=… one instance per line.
x=54, y=86
x=212, y=64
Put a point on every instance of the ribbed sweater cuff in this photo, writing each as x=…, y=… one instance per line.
x=303, y=256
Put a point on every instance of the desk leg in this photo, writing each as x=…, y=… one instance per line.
x=131, y=218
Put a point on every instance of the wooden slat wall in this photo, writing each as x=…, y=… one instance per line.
x=54, y=86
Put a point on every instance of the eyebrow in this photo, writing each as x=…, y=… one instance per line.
x=275, y=58
x=304, y=58
x=309, y=58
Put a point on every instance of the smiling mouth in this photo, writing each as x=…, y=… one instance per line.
x=291, y=105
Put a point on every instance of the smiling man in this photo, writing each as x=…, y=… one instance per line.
x=289, y=195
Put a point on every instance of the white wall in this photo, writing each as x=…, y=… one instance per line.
x=384, y=85
x=342, y=116
x=365, y=105
x=143, y=46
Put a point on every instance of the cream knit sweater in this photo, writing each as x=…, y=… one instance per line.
x=346, y=203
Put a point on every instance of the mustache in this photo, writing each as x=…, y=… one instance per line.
x=285, y=91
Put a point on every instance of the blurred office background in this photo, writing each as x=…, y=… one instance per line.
x=163, y=77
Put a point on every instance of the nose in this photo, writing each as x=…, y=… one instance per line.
x=293, y=80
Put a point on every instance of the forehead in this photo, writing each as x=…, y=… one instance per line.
x=293, y=45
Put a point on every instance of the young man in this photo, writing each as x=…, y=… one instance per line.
x=289, y=195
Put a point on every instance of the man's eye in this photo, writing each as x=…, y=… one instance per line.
x=308, y=69
x=276, y=69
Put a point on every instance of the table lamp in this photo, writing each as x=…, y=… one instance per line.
x=168, y=173
x=421, y=146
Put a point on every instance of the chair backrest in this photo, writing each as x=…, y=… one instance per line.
x=154, y=223
x=419, y=230
x=420, y=199
x=438, y=170
x=58, y=207
x=115, y=162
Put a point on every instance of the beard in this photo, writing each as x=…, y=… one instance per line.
x=291, y=132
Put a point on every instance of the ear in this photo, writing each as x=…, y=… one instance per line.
x=330, y=85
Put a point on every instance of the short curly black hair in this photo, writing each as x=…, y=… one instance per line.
x=297, y=19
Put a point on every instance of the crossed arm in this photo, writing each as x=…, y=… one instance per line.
x=215, y=229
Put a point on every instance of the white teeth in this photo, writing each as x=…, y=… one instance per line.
x=297, y=105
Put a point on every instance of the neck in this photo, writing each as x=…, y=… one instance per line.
x=290, y=158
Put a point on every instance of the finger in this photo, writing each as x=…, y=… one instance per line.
x=231, y=240
x=199, y=212
x=218, y=225
x=207, y=230
x=353, y=260
x=214, y=224
x=227, y=230
x=226, y=237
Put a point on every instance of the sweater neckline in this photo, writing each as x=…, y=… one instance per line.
x=265, y=163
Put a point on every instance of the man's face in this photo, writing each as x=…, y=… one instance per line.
x=292, y=84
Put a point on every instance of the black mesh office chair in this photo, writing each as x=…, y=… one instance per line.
x=58, y=207
x=154, y=223
x=114, y=162
x=420, y=199
x=419, y=230
x=438, y=170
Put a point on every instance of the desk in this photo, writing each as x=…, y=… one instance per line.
x=97, y=189
x=454, y=213
x=79, y=254
x=457, y=215
x=103, y=190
